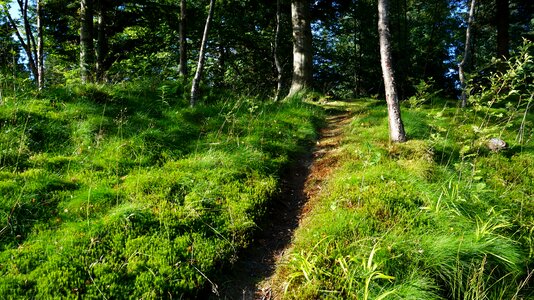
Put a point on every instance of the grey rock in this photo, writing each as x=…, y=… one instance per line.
x=496, y=144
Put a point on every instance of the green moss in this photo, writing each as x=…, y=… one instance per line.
x=109, y=191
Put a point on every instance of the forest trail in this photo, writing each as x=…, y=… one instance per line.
x=251, y=277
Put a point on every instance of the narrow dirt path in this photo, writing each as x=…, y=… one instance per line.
x=250, y=277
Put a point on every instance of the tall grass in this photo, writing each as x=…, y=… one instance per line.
x=438, y=217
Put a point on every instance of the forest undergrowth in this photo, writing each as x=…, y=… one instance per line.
x=438, y=217
x=123, y=191
x=446, y=215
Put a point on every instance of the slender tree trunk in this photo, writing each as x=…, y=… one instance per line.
x=201, y=58
x=40, y=54
x=101, y=42
x=222, y=62
x=462, y=66
x=277, y=63
x=86, y=40
x=183, y=41
x=396, y=127
x=302, y=46
x=358, y=44
x=29, y=34
x=503, y=23
x=25, y=46
x=26, y=38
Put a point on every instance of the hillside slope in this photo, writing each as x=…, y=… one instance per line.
x=125, y=192
x=438, y=217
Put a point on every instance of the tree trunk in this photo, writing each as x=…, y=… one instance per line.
x=201, y=57
x=462, y=66
x=277, y=63
x=222, y=63
x=358, y=74
x=101, y=42
x=86, y=40
x=32, y=45
x=40, y=54
x=302, y=46
x=26, y=42
x=183, y=42
x=503, y=23
x=396, y=127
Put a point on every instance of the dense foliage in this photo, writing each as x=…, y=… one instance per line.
x=134, y=39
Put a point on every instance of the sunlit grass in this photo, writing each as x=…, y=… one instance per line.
x=112, y=191
x=441, y=216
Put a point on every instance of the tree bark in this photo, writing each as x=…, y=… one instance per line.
x=201, y=58
x=503, y=24
x=462, y=66
x=27, y=40
x=396, y=127
x=183, y=41
x=86, y=40
x=29, y=33
x=40, y=54
x=101, y=42
x=302, y=46
x=277, y=63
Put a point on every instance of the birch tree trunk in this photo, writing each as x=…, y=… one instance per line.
x=201, y=58
x=462, y=66
x=86, y=40
x=40, y=54
x=302, y=46
x=183, y=42
x=277, y=63
x=396, y=127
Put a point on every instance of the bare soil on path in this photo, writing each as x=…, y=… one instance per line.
x=250, y=278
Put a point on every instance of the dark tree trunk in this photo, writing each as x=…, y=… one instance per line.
x=302, y=46
x=29, y=35
x=503, y=23
x=25, y=46
x=101, y=42
x=463, y=65
x=201, y=57
x=183, y=42
x=222, y=59
x=26, y=39
x=40, y=54
x=86, y=40
x=277, y=63
x=396, y=127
